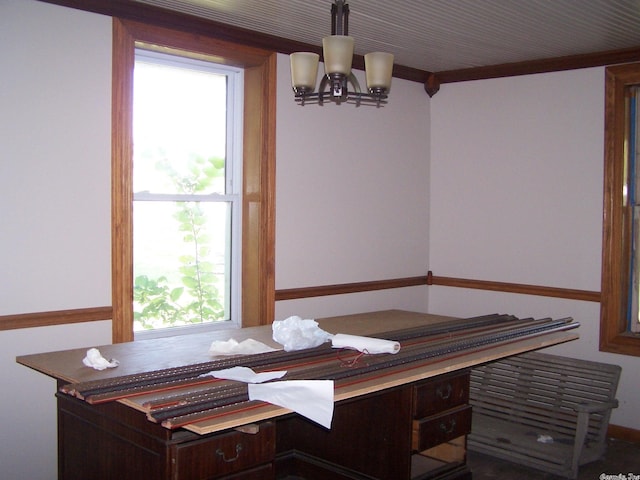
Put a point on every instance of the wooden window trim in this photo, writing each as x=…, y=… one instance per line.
x=258, y=229
x=614, y=336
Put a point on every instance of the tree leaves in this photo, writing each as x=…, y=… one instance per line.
x=197, y=300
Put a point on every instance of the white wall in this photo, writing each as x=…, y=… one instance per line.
x=55, y=158
x=516, y=196
x=352, y=198
x=55, y=114
x=27, y=404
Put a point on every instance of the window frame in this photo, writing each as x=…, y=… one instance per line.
x=258, y=165
x=616, y=251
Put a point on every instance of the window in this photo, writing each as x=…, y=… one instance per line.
x=256, y=192
x=620, y=261
x=630, y=198
x=186, y=192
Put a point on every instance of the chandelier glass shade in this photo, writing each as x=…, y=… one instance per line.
x=338, y=51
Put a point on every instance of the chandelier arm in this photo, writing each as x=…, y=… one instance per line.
x=323, y=85
x=354, y=81
x=357, y=98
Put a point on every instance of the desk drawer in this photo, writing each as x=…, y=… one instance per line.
x=431, y=431
x=264, y=472
x=226, y=453
x=440, y=394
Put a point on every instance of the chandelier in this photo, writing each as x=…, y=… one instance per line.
x=337, y=51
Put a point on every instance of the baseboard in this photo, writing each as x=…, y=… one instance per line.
x=623, y=433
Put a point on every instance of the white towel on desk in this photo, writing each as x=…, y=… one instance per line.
x=310, y=398
x=245, y=374
x=232, y=347
x=364, y=344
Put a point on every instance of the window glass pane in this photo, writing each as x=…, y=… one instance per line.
x=179, y=120
x=184, y=198
x=633, y=315
x=633, y=191
x=181, y=267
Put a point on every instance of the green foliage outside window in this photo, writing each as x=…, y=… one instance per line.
x=197, y=298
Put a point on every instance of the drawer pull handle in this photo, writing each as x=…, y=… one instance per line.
x=229, y=460
x=450, y=428
x=445, y=393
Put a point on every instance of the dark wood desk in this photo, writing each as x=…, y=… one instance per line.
x=403, y=425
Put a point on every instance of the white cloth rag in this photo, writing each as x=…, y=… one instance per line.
x=95, y=360
x=233, y=347
x=295, y=333
x=313, y=399
x=245, y=374
x=364, y=344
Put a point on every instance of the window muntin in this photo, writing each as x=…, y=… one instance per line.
x=187, y=192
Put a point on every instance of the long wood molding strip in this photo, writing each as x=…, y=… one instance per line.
x=339, y=289
x=59, y=317
x=546, y=65
x=44, y=319
x=585, y=295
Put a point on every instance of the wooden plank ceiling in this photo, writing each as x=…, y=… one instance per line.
x=437, y=35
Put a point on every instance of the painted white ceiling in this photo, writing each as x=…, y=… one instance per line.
x=441, y=35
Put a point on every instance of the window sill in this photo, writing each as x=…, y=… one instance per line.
x=623, y=343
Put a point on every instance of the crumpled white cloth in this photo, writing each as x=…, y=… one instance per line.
x=364, y=344
x=95, y=360
x=545, y=438
x=232, y=347
x=245, y=374
x=294, y=333
x=313, y=399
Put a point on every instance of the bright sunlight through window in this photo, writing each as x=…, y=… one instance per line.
x=186, y=183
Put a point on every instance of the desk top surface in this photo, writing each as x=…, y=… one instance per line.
x=161, y=353
x=179, y=350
